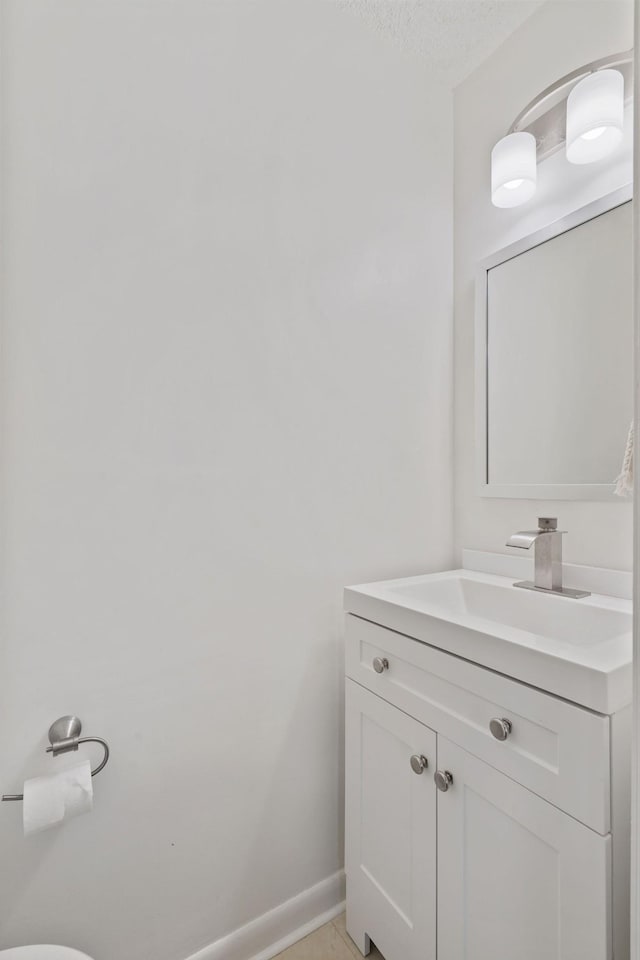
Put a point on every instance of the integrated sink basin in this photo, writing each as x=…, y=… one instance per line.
x=459, y=595
x=578, y=649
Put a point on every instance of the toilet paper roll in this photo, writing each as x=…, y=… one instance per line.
x=50, y=800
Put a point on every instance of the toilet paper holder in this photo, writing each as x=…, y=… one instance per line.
x=64, y=736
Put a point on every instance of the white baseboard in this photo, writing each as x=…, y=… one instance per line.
x=273, y=932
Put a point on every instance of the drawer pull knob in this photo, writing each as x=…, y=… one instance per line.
x=500, y=728
x=380, y=664
x=443, y=780
x=418, y=763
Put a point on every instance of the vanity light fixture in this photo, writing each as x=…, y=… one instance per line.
x=513, y=170
x=595, y=115
x=582, y=112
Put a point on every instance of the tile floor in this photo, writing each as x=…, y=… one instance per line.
x=331, y=942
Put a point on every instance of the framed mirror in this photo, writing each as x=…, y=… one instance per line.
x=554, y=357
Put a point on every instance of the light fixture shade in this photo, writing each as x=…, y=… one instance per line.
x=513, y=170
x=595, y=116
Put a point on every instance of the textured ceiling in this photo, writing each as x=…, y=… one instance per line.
x=454, y=35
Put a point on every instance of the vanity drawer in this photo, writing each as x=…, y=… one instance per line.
x=558, y=750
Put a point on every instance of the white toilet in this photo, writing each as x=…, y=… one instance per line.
x=44, y=951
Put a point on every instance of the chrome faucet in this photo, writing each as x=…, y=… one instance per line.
x=547, y=544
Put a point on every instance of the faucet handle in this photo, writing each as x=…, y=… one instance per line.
x=548, y=523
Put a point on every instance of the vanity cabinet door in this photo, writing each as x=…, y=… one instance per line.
x=517, y=878
x=390, y=829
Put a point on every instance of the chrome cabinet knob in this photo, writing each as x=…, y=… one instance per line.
x=500, y=728
x=418, y=763
x=380, y=664
x=443, y=780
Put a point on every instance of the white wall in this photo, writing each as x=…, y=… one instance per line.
x=224, y=393
x=558, y=38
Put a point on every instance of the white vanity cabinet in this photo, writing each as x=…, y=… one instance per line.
x=521, y=852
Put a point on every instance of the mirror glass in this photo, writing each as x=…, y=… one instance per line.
x=559, y=357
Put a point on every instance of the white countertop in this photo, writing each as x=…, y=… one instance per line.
x=578, y=649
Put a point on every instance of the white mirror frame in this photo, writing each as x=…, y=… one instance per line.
x=529, y=491
x=635, y=750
